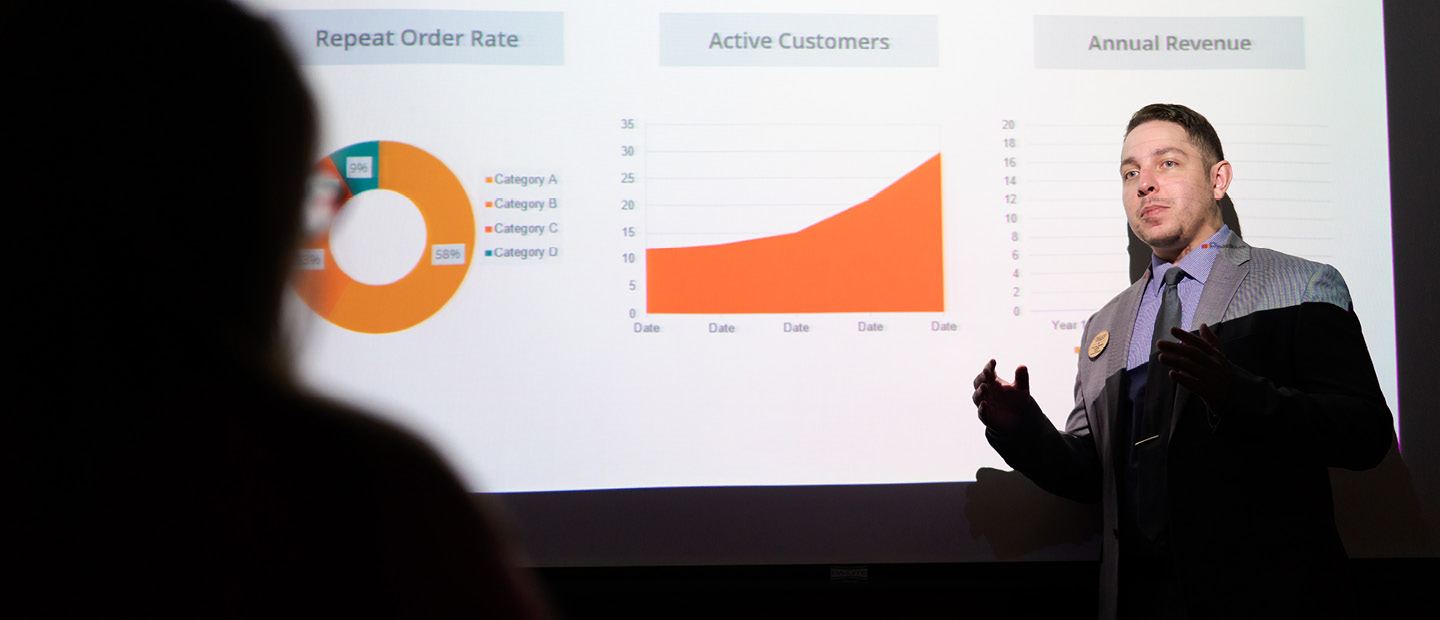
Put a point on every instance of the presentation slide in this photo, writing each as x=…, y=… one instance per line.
x=627, y=245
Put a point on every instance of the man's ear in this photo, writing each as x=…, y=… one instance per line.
x=1220, y=177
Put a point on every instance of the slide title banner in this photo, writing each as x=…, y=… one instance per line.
x=1070, y=42
x=425, y=37
x=770, y=40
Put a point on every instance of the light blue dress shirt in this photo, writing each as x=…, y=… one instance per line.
x=1197, y=267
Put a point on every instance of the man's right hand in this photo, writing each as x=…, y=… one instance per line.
x=1003, y=406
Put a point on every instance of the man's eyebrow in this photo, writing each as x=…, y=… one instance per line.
x=1155, y=153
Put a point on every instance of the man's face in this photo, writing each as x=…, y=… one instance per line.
x=1168, y=190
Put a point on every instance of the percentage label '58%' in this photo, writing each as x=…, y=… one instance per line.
x=447, y=254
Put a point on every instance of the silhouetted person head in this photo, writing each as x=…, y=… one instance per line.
x=168, y=146
x=168, y=466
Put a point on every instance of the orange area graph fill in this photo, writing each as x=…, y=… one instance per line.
x=882, y=255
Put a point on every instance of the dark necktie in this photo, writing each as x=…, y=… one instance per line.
x=1159, y=389
x=1169, y=315
x=1153, y=431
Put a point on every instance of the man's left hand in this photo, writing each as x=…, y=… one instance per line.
x=1197, y=363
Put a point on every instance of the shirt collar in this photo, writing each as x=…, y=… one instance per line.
x=1196, y=264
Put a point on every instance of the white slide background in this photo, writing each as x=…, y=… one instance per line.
x=533, y=378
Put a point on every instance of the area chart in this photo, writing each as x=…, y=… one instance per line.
x=882, y=255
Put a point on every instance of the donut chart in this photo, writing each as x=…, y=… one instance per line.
x=449, y=234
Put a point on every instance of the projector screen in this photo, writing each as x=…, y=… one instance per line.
x=589, y=246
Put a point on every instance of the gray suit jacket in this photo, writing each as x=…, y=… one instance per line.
x=1249, y=486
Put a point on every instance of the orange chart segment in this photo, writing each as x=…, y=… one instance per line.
x=882, y=255
x=449, y=232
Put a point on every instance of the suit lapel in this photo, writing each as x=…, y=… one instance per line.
x=1120, y=326
x=1123, y=324
x=1226, y=274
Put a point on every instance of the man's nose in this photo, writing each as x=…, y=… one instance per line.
x=1146, y=185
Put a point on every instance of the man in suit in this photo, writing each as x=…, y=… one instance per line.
x=1211, y=397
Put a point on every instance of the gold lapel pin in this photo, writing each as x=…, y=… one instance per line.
x=1097, y=346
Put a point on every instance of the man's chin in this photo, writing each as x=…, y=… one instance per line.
x=1161, y=245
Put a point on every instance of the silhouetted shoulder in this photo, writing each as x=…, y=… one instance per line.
x=377, y=517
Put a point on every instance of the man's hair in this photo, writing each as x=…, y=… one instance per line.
x=1201, y=133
